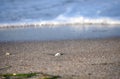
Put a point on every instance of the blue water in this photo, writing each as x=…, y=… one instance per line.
x=59, y=19
x=59, y=33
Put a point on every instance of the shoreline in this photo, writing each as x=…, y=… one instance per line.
x=50, y=24
x=90, y=58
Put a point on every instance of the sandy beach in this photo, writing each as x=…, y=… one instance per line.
x=80, y=59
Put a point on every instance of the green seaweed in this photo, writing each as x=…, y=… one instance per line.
x=18, y=76
x=28, y=75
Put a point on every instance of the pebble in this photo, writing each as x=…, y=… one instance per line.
x=7, y=53
x=58, y=54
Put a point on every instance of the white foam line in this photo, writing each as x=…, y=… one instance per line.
x=63, y=22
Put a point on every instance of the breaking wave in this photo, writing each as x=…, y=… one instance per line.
x=63, y=21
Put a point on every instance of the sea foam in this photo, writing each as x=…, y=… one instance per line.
x=63, y=21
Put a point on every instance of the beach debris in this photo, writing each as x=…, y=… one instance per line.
x=18, y=76
x=58, y=54
x=14, y=74
x=7, y=53
x=28, y=76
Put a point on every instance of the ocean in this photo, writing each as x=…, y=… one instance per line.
x=58, y=19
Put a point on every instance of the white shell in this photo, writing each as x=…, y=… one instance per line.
x=7, y=53
x=57, y=54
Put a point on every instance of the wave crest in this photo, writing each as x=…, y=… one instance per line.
x=63, y=21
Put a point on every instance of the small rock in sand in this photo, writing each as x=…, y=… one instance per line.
x=58, y=54
x=7, y=53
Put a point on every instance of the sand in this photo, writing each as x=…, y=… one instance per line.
x=80, y=59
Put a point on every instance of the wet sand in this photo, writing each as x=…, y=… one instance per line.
x=81, y=59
